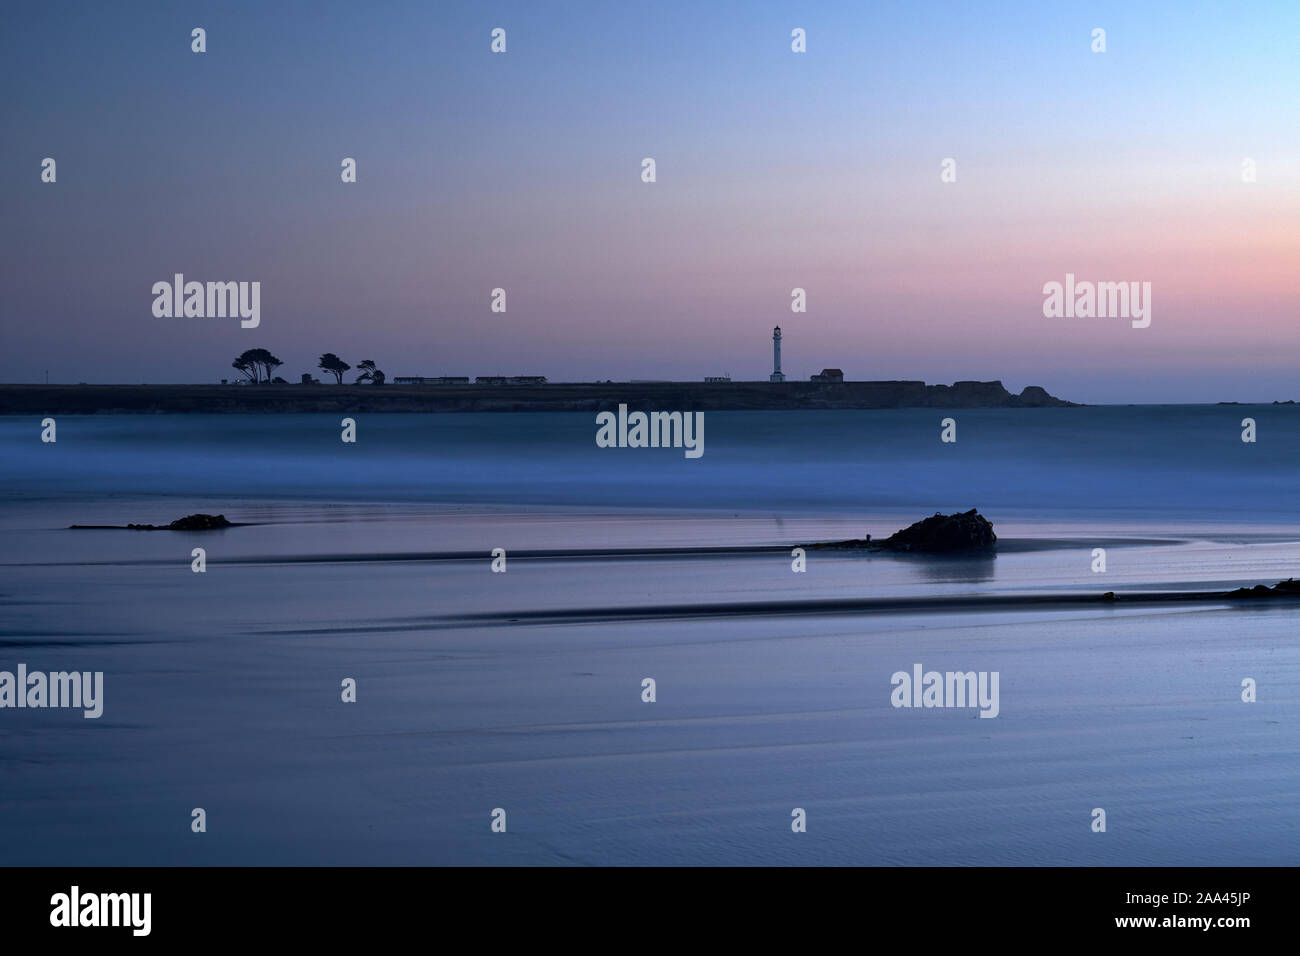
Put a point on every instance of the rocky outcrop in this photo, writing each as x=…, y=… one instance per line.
x=968, y=531
x=941, y=534
x=1290, y=587
x=194, y=522
x=1035, y=396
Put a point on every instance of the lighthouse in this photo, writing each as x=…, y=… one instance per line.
x=776, y=375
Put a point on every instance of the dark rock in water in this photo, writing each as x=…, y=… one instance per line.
x=935, y=535
x=1259, y=590
x=196, y=522
x=199, y=522
x=940, y=534
x=1289, y=586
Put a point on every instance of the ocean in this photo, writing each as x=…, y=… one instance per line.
x=522, y=691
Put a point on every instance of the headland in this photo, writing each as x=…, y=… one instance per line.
x=546, y=397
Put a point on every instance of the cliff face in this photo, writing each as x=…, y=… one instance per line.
x=968, y=395
x=575, y=397
x=1035, y=396
x=989, y=395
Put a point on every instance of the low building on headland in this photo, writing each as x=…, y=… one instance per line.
x=425, y=380
x=510, y=380
x=828, y=375
x=717, y=378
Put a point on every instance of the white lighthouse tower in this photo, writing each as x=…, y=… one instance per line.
x=777, y=375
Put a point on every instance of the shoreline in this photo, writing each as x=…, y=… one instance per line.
x=1005, y=546
x=834, y=607
x=550, y=397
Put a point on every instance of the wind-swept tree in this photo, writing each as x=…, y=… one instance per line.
x=246, y=364
x=268, y=362
x=369, y=373
x=329, y=362
x=257, y=364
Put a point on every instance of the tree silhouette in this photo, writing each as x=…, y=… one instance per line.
x=257, y=364
x=268, y=362
x=329, y=362
x=369, y=373
x=246, y=365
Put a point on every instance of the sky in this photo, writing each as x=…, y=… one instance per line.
x=775, y=170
